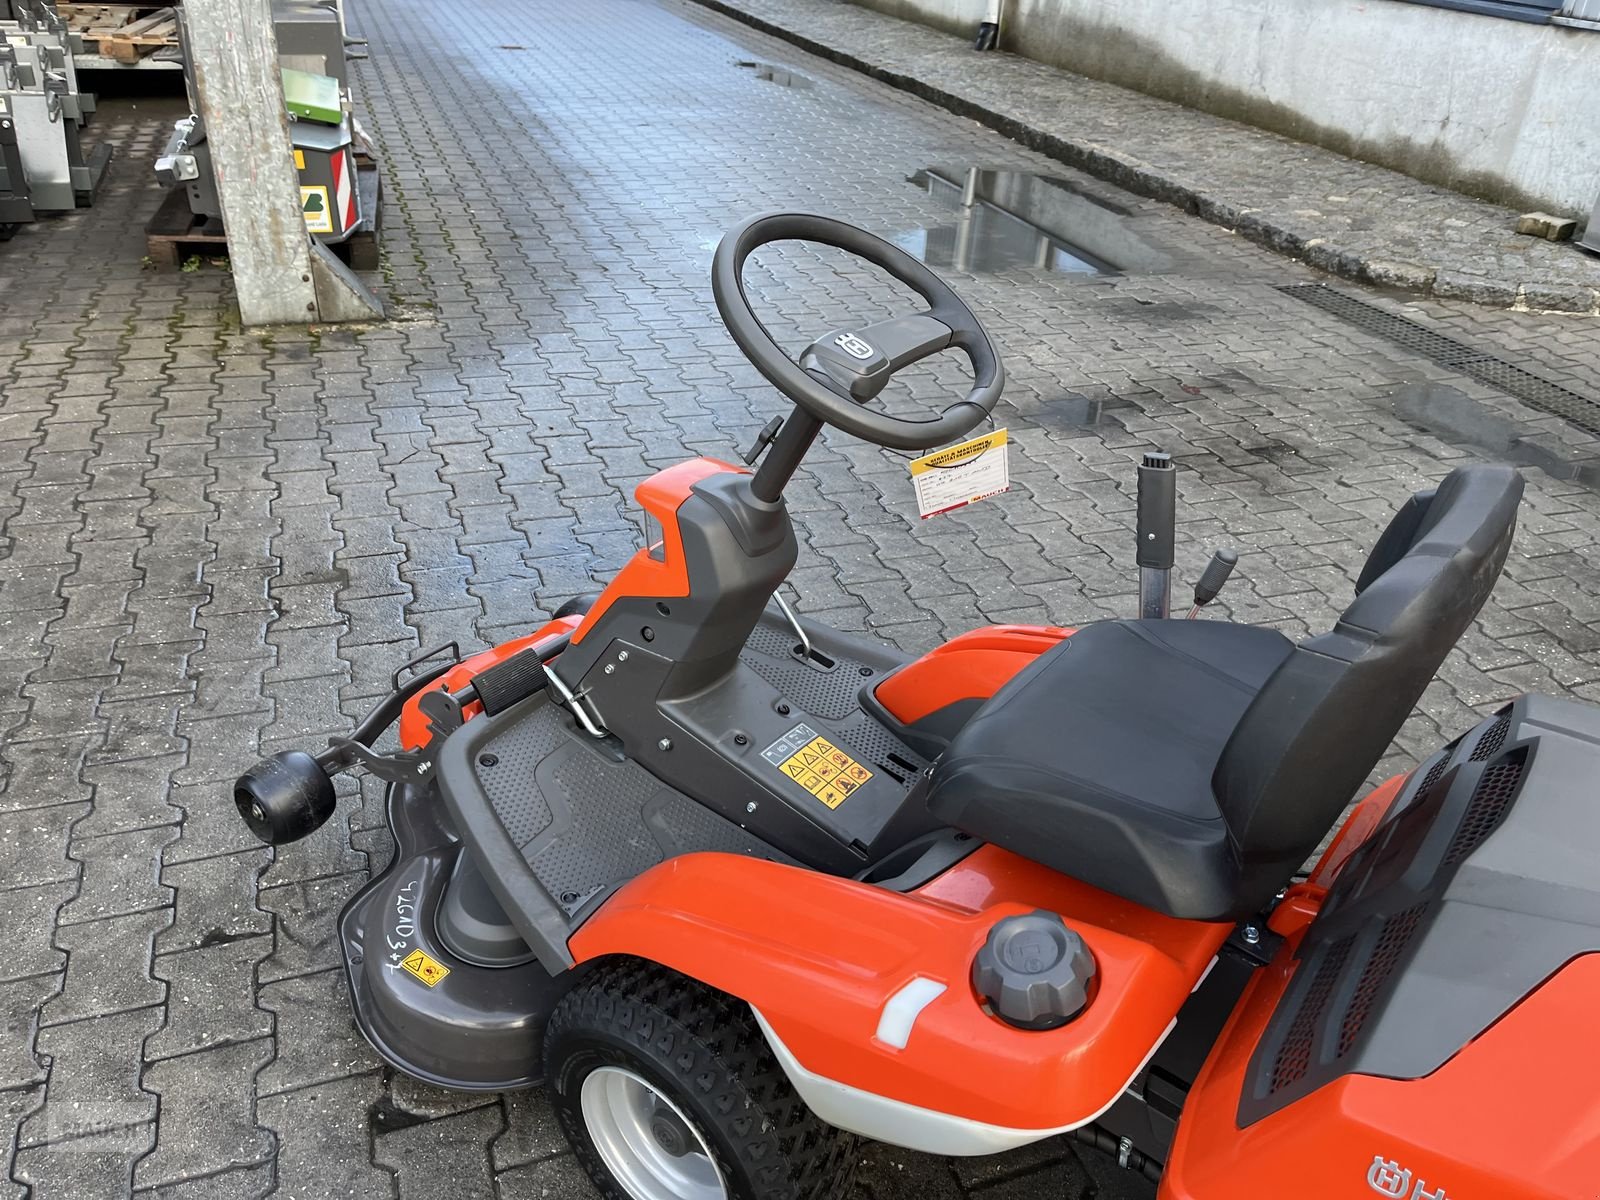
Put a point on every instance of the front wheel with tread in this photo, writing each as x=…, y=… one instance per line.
x=643, y=1031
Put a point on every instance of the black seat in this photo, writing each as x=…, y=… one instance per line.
x=1192, y=766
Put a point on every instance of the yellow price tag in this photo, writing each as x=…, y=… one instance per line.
x=959, y=475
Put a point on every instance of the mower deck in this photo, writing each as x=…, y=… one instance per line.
x=450, y=1021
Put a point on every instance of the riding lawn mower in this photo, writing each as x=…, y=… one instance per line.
x=739, y=889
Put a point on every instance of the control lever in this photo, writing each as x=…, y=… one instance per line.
x=1157, y=523
x=1212, y=578
x=763, y=440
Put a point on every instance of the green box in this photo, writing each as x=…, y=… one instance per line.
x=312, y=97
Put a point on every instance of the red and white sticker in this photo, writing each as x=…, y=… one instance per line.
x=344, y=189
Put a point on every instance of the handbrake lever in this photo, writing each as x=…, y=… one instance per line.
x=763, y=440
x=1212, y=578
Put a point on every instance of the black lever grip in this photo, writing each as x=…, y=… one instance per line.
x=1214, y=576
x=763, y=440
x=1156, y=512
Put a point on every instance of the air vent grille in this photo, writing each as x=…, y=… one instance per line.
x=1492, y=738
x=1294, y=1056
x=1349, y=1008
x=1385, y=956
x=1432, y=777
x=1497, y=787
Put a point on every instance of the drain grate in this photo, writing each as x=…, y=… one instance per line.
x=1533, y=391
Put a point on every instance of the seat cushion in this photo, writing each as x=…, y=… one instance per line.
x=1097, y=759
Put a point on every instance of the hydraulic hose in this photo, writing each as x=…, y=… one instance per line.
x=1125, y=1154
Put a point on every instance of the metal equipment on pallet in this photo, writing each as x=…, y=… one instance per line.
x=40, y=97
x=324, y=135
x=43, y=42
x=15, y=206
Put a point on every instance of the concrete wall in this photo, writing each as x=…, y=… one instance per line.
x=1500, y=109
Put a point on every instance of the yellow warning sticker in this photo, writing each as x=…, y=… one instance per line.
x=825, y=771
x=314, y=207
x=299, y=160
x=424, y=968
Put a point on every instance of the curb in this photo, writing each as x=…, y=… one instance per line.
x=1141, y=180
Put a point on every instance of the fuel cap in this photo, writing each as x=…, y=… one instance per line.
x=1033, y=971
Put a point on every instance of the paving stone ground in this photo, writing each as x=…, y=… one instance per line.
x=1337, y=213
x=217, y=543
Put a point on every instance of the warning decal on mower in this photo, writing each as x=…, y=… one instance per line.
x=424, y=968
x=817, y=765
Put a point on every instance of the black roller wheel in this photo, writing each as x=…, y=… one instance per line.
x=285, y=797
x=667, y=1091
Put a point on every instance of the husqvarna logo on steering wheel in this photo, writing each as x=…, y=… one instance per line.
x=855, y=347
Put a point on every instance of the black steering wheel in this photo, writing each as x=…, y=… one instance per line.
x=843, y=370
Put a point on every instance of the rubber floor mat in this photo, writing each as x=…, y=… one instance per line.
x=584, y=822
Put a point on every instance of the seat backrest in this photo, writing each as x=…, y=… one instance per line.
x=1328, y=713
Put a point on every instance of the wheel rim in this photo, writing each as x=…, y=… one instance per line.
x=645, y=1140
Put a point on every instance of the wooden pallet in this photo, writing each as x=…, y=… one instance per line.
x=124, y=33
x=90, y=19
x=175, y=234
x=133, y=41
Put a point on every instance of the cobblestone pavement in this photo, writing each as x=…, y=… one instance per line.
x=1337, y=213
x=216, y=543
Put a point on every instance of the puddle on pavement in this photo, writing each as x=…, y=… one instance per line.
x=1069, y=413
x=1011, y=220
x=781, y=76
x=1451, y=414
